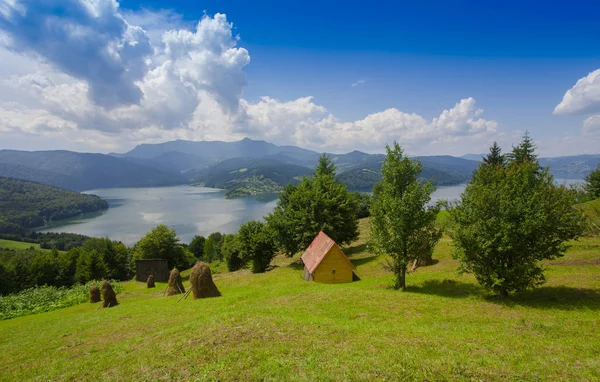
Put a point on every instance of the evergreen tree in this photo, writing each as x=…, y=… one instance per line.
x=511, y=218
x=402, y=225
x=90, y=266
x=524, y=151
x=325, y=167
x=317, y=203
x=494, y=157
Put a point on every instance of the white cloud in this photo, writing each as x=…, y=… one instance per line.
x=358, y=83
x=591, y=126
x=171, y=82
x=307, y=124
x=583, y=98
x=87, y=40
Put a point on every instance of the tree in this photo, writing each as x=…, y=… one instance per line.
x=325, y=166
x=197, y=246
x=212, y=247
x=318, y=203
x=114, y=254
x=495, y=156
x=402, y=224
x=90, y=266
x=511, y=218
x=364, y=204
x=161, y=243
x=231, y=249
x=256, y=245
x=592, y=183
x=45, y=267
x=524, y=151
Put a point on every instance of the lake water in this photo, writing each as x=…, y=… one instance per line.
x=189, y=210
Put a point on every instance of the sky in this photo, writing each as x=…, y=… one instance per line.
x=438, y=77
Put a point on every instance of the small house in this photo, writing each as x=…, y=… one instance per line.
x=325, y=262
x=158, y=268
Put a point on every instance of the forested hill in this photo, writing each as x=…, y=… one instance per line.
x=25, y=205
x=83, y=171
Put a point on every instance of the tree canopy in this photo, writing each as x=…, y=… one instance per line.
x=256, y=245
x=592, y=183
x=162, y=243
x=510, y=218
x=402, y=224
x=318, y=203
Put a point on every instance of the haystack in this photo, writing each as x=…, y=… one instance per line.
x=94, y=294
x=108, y=295
x=150, y=281
x=175, y=283
x=202, y=282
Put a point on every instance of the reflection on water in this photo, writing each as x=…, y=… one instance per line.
x=189, y=210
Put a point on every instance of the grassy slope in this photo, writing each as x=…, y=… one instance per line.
x=277, y=326
x=18, y=245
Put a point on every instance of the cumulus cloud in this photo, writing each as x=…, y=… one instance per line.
x=87, y=40
x=120, y=85
x=583, y=98
x=310, y=125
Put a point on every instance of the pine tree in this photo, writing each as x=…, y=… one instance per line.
x=524, y=151
x=494, y=157
x=318, y=203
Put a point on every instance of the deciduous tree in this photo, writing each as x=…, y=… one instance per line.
x=402, y=224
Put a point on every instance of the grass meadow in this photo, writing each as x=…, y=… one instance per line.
x=276, y=326
x=17, y=245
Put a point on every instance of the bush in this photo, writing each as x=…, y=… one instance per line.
x=231, y=250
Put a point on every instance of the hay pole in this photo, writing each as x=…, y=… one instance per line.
x=185, y=295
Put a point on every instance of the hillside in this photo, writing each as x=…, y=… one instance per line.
x=248, y=176
x=571, y=167
x=25, y=205
x=276, y=326
x=82, y=171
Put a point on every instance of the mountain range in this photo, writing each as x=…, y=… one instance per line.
x=243, y=167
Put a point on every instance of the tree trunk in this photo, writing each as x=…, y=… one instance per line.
x=400, y=277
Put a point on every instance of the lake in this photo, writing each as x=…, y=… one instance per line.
x=189, y=210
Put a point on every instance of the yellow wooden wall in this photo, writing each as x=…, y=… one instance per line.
x=334, y=260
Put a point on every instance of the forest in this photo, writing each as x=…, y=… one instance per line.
x=25, y=205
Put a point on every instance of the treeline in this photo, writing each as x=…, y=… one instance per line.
x=49, y=240
x=97, y=259
x=25, y=205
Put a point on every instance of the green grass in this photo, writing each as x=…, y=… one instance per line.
x=592, y=211
x=17, y=245
x=276, y=326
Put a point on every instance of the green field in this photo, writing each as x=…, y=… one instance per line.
x=17, y=245
x=276, y=326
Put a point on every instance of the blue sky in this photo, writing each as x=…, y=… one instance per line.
x=440, y=77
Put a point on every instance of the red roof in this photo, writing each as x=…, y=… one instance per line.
x=317, y=250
